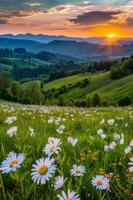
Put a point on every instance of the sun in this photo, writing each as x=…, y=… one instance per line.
x=111, y=36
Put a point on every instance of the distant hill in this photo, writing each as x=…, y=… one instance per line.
x=49, y=38
x=79, y=50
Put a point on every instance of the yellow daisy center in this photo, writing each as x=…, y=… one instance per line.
x=52, y=148
x=78, y=171
x=43, y=170
x=13, y=163
x=68, y=199
x=99, y=182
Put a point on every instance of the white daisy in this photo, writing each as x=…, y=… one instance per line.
x=122, y=139
x=42, y=171
x=100, y=182
x=12, y=131
x=12, y=162
x=116, y=136
x=10, y=120
x=100, y=131
x=112, y=145
x=71, y=195
x=127, y=149
x=73, y=141
x=53, y=147
x=78, y=170
x=59, y=182
x=110, y=121
x=31, y=132
x=131, y=143
x=131, y=163
x=106, y=147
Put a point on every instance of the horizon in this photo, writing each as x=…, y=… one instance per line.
x=43, y=34
x=68, y=18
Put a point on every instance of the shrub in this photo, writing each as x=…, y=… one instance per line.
x=96, y=100
x=125, y=101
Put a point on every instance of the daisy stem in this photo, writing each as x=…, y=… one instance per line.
x=3, y=188
x=100, y=195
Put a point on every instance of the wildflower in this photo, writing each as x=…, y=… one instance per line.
x=59, y=131
x=10, y=120
x=106, y=147
x=131, y=143
x=100, y=182
x=78, y=170
x=110, y=122
x=128, y=149
x=103, y=136
x=32, y=133
x=73, y=141
x=71, y=195
x=59, y=182
x=112, y=145
x=116, y=136
x=12, y=162
x=43, y=170
x=122, y=139
x=100, y=131
x=12, y=131
x=102, y=121
x=53, y=147
x=131, y=163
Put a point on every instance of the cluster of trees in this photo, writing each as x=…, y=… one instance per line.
x=33, y=93
x=123, y=69
x=12, y=90
x=96, y=100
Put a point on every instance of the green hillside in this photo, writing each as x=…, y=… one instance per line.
x=68, y=80
x=21, y=62
x=100, y=83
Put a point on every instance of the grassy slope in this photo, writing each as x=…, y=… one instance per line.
x=119, y=88
x=5, y=67
x=20, y=62
x=65, y=81
x=99, y=83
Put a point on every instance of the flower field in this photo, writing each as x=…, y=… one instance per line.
x=51, y=153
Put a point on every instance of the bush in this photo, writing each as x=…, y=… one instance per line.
x=125, y=101
x=96, y=100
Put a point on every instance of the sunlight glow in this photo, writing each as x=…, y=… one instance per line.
x=111, y=36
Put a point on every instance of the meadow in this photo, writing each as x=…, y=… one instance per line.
x=51, y=153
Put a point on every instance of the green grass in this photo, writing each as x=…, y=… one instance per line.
x=119, y=88
x=89, y=151
x=32, y=62
x=65, y=81
x=100, y=83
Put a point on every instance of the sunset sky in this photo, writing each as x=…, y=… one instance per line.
x=67, y=17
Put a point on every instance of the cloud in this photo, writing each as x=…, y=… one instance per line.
x=3, y=21
x=95, y=17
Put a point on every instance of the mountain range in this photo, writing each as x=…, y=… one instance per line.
x=49, y=38
x=77, y=49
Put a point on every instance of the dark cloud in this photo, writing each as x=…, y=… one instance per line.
x=95, y=17
x=130, y=21
x=3, y=21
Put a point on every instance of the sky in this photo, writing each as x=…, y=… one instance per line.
x=79, y=18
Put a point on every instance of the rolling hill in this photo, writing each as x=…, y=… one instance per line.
x=71, y=49
x=99, y=83
x=49, y=38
